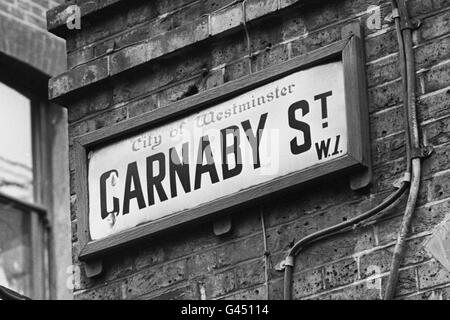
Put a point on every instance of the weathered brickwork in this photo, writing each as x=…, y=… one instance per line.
x=30, y=11
x=25, y=38
x=152, y=53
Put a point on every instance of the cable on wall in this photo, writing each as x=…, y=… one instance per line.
x=247, y=37
x=266, y=255
x=411, y=178
x=404, y=28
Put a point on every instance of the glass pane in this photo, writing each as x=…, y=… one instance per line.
x=15, y=253
x=16, y=173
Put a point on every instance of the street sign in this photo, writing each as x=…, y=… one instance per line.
x=225, y=148
x=286, y=126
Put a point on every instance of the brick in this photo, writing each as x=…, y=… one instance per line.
x=433, y=53
x=388, y=122
x=109, y=292
x=380, y=46
x=246, y=222
x=201, y=239
x=258, y=8
x=315, y=40
x=214, y=79
x=194, y=240
x=236, y=252
x=201, y=263
x=186, y=35
x=78, y=77
x=444, y=293
x=434, y=26
x=257, y=293
x=317, y=198
x=340, y=273
x=335, y=248
x=157, y=78
x=437, y=78
x=249, y=274
x=379, y=261
x=438, y=161
x=307, y=283
x=437, y=132
x=293, y=25
x=135, y=55
x=388, y=149
x=439, y=187
x=108, y=119
x=387, y=174
x=282, y=237
x=218, y=284
x=97, y=101
x=420, y=7
x=432, y=274
x=383, y=71
x=170, y=5
x=84, y=282
x=184, y=293
x=148, y=256
x=270, y=57
x=237, y=70
x=433, y=106
x=226, y=19
x=116, y=268
x=142, y=106
x=77, y=57
x=155, y=278
x=407, y=283
x=375, y=263
x=427, y=218
x=384, y=96
x=362, y=291
x=276, y=290
x=180, y=91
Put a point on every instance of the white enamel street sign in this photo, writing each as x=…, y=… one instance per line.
x=286, y=126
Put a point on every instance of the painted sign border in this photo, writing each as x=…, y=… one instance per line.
x=349, y=51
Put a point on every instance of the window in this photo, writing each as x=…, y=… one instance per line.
x=22, y=218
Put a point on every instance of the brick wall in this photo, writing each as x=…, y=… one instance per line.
x=31, y=11
x=155, y=53
x=24, y=39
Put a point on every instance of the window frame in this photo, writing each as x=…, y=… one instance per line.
x=38, y=208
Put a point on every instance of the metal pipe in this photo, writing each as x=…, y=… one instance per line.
x=331, y=231
x=266, y=255
x=288, y=271
x=400, y=246
x=406, y=57
x=402, y=62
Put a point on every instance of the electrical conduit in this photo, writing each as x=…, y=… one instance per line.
x=406, y=55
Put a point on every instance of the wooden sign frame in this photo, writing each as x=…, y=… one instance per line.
x=349, y=51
